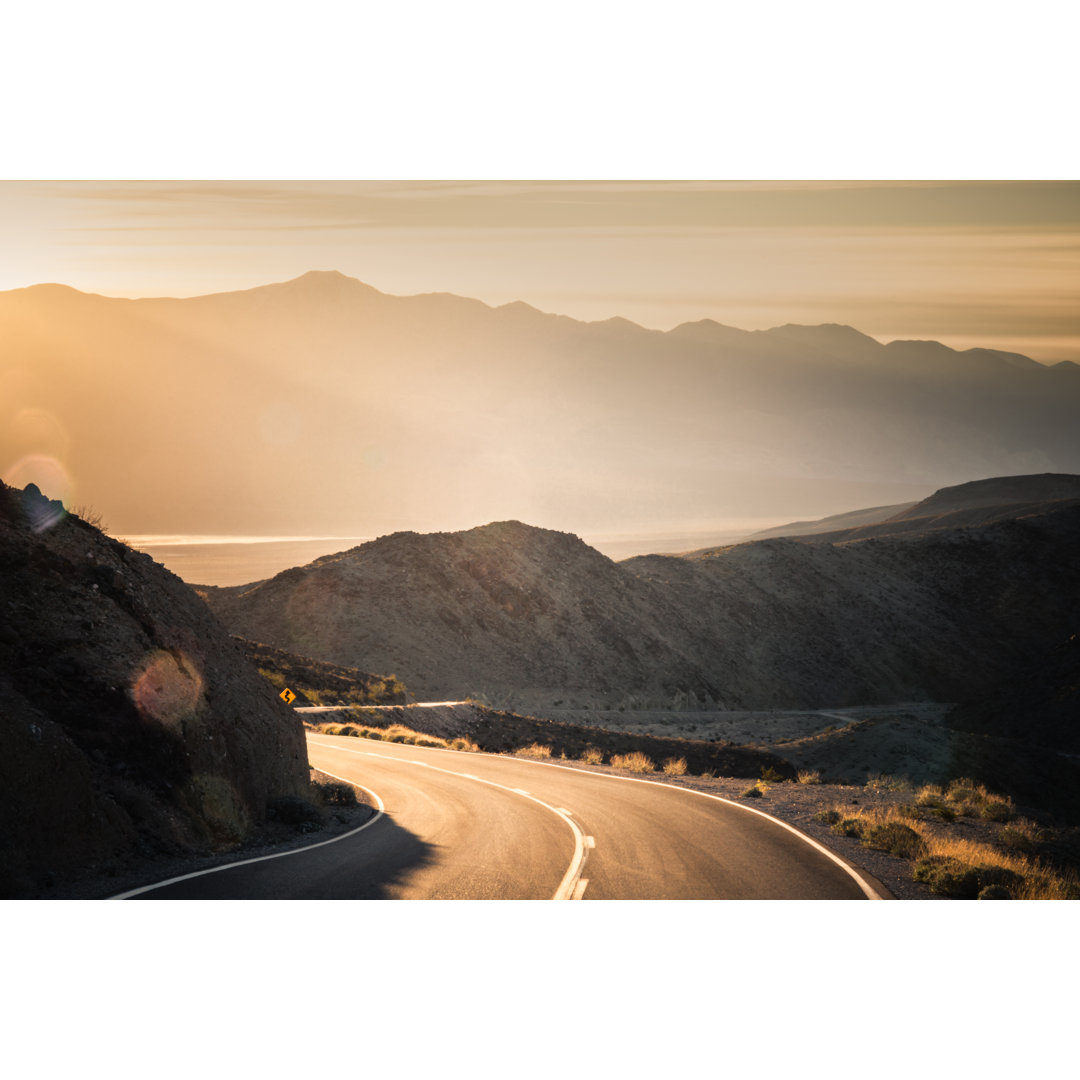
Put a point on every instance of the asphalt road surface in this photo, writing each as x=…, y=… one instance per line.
x=475, y=826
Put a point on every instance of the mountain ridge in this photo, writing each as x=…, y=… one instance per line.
x=335, y=278
x=381, y=413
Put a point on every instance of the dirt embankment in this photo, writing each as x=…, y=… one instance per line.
x=131, y=723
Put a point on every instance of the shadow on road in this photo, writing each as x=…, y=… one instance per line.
x=374, y=864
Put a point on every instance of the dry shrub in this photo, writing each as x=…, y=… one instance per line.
x=996, y=809
x=635, y=762
x=930, y=795
x=464, y=745
x=675, y=766
x=963, y=790
x=536, y=750
x=887, y=782
x=809, y=776
x=954, y=866
x=592, y=756
x=334, y=793
x=895, y=838
x=1022, y=836
x=849, y=826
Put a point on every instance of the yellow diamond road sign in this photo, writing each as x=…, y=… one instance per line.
x=287, y=696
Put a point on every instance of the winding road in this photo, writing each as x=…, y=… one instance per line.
x=452, y=825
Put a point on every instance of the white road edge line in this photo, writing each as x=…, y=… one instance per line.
x=566, y=888
x=582, y=885
x=379, y=812
x=870, y=892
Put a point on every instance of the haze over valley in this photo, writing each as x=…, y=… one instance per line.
x=322, y=407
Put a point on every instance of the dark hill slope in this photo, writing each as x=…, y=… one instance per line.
x=981, y=502
x=1022, y=735
x=932, y=616
x=1038, y=701
x=531, y=616
x=872, y=515
x=130, y=723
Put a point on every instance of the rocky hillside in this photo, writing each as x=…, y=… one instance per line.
x=528, y=617
x=493, y=610
x=131, y=724
x=315, y=682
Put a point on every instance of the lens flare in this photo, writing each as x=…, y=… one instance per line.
x=168, y=688
x=38, y=431
x=51, y=479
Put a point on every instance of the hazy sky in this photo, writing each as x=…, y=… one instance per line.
x=966, y=263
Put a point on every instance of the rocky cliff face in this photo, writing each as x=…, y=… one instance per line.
x=130, y=722
x=529, y=617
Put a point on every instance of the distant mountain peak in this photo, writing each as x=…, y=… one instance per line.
x=325, y=275
x=519, y=307
x=830, y=333
x=617, y=322
x=708, y=331
x=329, y=279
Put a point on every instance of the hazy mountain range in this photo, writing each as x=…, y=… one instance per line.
x=321, y=405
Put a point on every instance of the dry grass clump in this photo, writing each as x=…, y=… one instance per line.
x=1022, y=835
x=896, y=838
x=463, y=744
x=334, y=792
x=675, y=766
x=973, y=800
x=755, y=790
x=636, y=762
x=592, y=756
x=887, y=782
x=396, y=733
x=929, y=795
x=809, y=776
x=955, y=866
x=931, y=800
x=536, y=750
